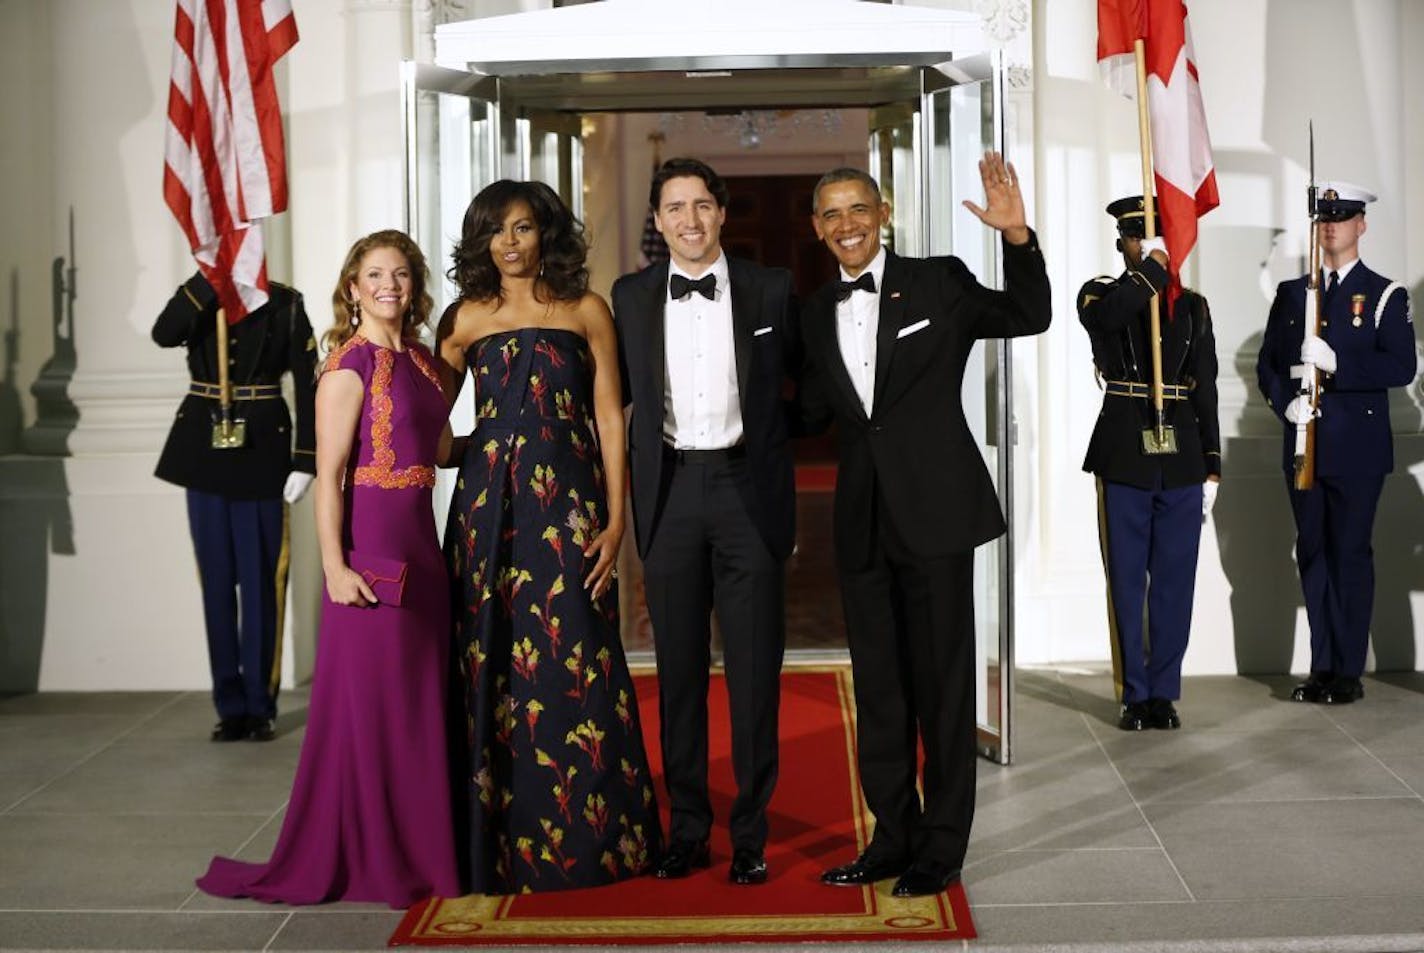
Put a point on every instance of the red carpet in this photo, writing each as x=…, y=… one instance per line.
x=817, y=820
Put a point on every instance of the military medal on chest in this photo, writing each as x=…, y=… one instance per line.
x=1357, y=310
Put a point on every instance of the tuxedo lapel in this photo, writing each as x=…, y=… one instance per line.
x=828, y=344
x=655, y=311
x=745, y=291
x=892, y=313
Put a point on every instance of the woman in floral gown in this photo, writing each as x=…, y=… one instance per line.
x=556, y=786
x=370, y=815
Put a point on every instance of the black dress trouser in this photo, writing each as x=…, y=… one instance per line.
x=706, y=554
x=910, y=625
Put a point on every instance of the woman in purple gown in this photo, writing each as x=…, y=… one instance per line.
x=557, y=791
x=369, y=816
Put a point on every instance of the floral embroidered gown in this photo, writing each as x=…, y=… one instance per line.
x=558, y=789
x=370, y=813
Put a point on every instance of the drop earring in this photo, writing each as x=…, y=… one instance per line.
x=355, y=312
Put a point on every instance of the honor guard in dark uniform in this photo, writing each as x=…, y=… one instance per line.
x=1364, y=347
x=1153, y=494
x=237, y=480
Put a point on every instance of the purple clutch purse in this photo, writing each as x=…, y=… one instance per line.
x=386, y=577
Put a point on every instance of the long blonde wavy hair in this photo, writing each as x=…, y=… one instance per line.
x=421, y=302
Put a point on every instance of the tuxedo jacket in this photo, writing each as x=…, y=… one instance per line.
x=765, y=345
x=1116, y=314
x=915, y=450
x=1367, y=322
x=271, y=341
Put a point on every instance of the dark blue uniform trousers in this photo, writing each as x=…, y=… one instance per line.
x=240, y=546
x=1150, y=540
x=1334, y=521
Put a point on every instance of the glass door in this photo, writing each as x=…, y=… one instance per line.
x=460, y=135
x=925, y=154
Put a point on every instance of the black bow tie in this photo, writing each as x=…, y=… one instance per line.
x=680, y=286
x=866, y=282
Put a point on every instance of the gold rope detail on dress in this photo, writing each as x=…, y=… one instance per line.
x=381, y=471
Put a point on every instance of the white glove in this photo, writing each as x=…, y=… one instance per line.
x=1298, y=410
x=297, y=485
x=1315, y=351
x=1155, y=243
x=1209, y=489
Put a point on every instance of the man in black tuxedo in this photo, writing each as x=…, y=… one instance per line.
x=885, y=350
x=704, y=343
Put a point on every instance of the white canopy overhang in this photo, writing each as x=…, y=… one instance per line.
x=657, y=35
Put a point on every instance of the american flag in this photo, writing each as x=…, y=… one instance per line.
x=225, y=162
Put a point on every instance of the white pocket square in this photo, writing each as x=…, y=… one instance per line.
x=910, y=329
x=760, y=331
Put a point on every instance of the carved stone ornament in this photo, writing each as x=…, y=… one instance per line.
x=1003, y=19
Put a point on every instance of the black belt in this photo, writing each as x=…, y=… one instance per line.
x=239, y=391
x=736, y=452
x=1139, y=389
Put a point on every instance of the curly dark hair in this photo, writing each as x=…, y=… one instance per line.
x=563, y=250
x=421, y=302
x=696, y=168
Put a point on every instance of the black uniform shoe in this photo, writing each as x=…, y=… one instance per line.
x=681, y=858
x=924, y=880
x=230, y=729
x=1162, y=714
x=863, y=870
x=1342, y=691
x=260, y=729
x=748, y=867
x=1135, y=717
x=1312, y=688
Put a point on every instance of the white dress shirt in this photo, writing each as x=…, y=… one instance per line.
x=702, y=409
x=857, y=323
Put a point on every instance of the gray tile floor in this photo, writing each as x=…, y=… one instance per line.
x=1261, y=825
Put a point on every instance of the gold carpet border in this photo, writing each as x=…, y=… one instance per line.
x=483, y=916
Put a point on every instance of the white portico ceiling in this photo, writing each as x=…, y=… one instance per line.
x=619, y=35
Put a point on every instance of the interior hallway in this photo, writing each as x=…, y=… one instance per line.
x=1261, y=825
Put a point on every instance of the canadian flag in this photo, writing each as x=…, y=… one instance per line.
x=1181, y=147
x=224, y=162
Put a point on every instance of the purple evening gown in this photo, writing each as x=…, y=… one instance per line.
x=369, y=817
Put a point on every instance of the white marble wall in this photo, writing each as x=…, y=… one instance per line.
x=97, y=585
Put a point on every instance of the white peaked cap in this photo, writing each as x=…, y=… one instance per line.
x=1345, y=192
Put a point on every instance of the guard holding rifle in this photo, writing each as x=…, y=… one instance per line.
x=1157, y=479
x=236, y=456
x=1336, y=340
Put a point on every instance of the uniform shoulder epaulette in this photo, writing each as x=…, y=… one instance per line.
x=1101, y=282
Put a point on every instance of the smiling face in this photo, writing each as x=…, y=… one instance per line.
x=514, y=248
x=383, y=286
x=848, y=219
x=690, y=221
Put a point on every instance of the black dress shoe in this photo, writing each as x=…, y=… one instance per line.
x=1135, y=717
x=260, y=729
x=1342, y=691
x=1161, y=713
x=1312, y=688
x=681, y=858
x=924, y=880
x=230, y=729
x=863, y=870
x=748, y=867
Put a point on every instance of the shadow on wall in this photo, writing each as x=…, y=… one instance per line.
x=34, y=493
x=1399, y=531
x=1256, y=535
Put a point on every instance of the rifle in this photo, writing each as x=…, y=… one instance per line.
x=1308, y=374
